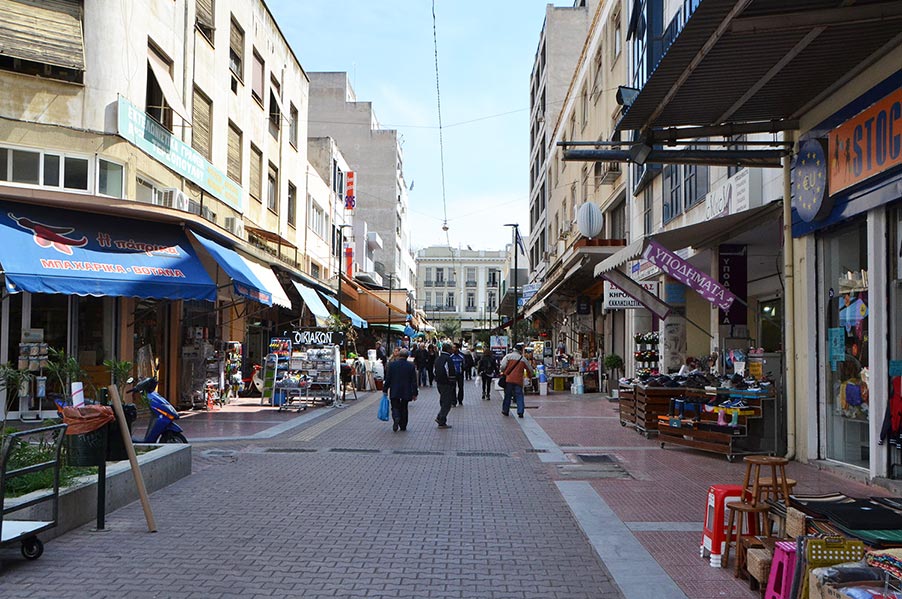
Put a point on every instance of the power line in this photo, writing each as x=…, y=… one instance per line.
x=441, y=144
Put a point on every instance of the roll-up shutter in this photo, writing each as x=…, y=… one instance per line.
x=201, y=122
x=43, y=31
x=205, y=13
x=234, y=159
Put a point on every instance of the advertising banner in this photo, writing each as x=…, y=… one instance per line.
x=688, y=275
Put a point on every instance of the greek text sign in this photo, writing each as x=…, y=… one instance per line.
x=688, y=275
x=317, y=337
x=617, y=299
x=148, y=135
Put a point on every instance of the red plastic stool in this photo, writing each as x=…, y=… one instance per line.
x=715, y=533
x=782, y=570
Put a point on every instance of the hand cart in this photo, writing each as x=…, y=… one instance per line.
x=26, y=531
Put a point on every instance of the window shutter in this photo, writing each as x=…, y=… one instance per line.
x=236, y=46
x=256, y=172
x=234, y=160
x=202, y=130
x=257, y=82
x=204, y=13
x=48, y=32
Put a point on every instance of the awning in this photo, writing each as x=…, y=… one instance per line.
x=244, y=282
x=78, y=253
x=397, y=328
x=314, y=304
x=164, y=80
x=266, y=276
x=759, y=60
x=355, y=320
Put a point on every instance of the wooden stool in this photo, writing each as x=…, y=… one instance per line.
x=777, y=482
x=753, y=516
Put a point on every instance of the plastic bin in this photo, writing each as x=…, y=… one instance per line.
x=543, y=388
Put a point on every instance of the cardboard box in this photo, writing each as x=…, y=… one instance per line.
x=829, y=591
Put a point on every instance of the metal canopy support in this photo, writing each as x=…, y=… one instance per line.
x=749, y=158
x=823, y=17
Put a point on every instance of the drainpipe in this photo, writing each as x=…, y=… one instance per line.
x=789, y=307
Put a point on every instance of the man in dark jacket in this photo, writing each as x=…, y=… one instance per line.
x=446, y=381
x=401, y=387
x=459, y=364
x=488, y=368
x=419, y=360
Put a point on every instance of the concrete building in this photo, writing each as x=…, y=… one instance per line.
x=179, y=125
x=560, y=44
x=375, y=155
x=325, y=236
x=462, y=286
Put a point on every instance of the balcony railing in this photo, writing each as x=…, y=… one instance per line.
x=428, y=283
x=470, y=309
x=471, y=283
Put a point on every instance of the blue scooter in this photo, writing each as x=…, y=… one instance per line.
x=162, y=427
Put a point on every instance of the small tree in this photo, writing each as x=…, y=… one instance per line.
x=12, y=379
x=449, y=328
x=119, y=372
x=613, y=363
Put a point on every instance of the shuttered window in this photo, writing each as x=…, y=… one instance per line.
x=257, y=81
x=202, y=123
x=46, y=32
x=236, y=50
x=204, y=17
x=234, y=161
x=272, y=189
x=256, y=189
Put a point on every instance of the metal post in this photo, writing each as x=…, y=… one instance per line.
x=516, y=286
x=388, y=332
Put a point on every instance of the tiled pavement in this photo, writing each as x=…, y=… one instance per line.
x=476, y=516
x=345, y=508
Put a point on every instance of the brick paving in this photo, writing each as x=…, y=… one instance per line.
x=378, y=522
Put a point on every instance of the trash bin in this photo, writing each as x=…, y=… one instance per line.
x=115, y=450
x=87, y=433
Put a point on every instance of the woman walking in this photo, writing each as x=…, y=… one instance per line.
x=487, y=368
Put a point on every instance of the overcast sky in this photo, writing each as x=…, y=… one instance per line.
x=486, y=50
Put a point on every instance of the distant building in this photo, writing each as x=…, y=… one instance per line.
x=460, y=285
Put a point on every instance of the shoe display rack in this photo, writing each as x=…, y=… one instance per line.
x=726, y=421
x=640, y=406
x=627, y=403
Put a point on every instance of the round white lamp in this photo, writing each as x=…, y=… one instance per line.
x=589, y=220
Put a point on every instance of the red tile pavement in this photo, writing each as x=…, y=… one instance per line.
x=666, y=486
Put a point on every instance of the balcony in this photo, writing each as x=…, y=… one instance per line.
x=471, y=283
x=440, y=283
x=470, y=309
x=428, y=283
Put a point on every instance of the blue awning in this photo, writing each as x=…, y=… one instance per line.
x=49, y=250
x=355, y=320
x=314, y=304
x=245, y=283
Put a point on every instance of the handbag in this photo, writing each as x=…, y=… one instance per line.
x=502, y=380
x=383, y=408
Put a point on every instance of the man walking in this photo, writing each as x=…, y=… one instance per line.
x=487, y=369
x=460, y=362
x=445, y=380
x=419, y=360
x=401, y=387
x=512, y=368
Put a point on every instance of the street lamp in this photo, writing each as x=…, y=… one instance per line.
x=515, y=233
x=341, y=243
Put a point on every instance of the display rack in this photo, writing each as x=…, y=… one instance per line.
x=698, y=418
x=646, y=353
x=311, y=379
x=33, y=357
x=276, y=366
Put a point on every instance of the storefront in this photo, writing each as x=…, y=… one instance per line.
x=847, y=187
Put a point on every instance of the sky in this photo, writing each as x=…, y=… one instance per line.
x=486, y=50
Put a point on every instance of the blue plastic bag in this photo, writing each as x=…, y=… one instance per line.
x=383, y=408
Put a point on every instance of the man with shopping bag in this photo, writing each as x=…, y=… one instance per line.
x=400, y=385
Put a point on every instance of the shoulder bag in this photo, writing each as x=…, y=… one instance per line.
x=502, y=380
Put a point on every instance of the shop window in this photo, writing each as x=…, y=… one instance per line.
x=845, y=307
x=50, y=312
x=110, y=179
x=770, y=318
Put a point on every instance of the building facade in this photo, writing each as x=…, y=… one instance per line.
x=460, y=286
x=375, y=155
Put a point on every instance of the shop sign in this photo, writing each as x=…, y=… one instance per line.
x=688, y=275
x=148, y=135
x=350, y=193
x=732, y=266
x=583, y=305
x=349, y=260
x=809, y=182
x=530, y=290
x=616, y=299
x=498, y=341
x=867, y=144
x=317, y=337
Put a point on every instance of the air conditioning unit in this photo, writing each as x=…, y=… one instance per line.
x=235, y=225
x=163, y=197
x=180, y=200
x=208, y=214
x=607, y=172
x=193, y=207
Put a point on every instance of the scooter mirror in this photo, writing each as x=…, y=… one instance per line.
x=130, y=380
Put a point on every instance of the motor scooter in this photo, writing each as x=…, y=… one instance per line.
x=253, y=384
x=162, y=427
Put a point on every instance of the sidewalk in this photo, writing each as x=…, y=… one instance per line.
x=661, y=498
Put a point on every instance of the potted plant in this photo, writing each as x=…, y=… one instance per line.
x=12, y=379
x=119, y=373
x=613, y=364
x=65, y=370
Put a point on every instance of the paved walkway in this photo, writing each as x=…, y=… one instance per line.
x=331, y=503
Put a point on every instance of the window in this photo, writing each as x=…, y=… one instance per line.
x=33, y=28
x=275, y=113
x=584, y=108
x=449, y=300
x=257, y=81
x=695, y=186
x=293, y=126
x=428, y=298
x=236, y=50
x=233, y=167
x=493, y=277
x=156, y=106
x=439, y=299
x=204, y=18
x=492, y=301
x=673, y=191
x=684, y=187
x=317, y=221
x=256, y=190
x=110, y=179
x=33, y=167
x=429, y=274
x=272, y=189
x=75, y=173
x=737, y=140
x=471, y=274
x=647, y=202
x=618, y=221
x=598, y=83
x=439, y=275
x=314, y=269
x=149, y=192
x=292, y=205
x=202, y=124
x=616, y=37
x=471, y=299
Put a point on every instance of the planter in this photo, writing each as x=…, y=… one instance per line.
x=161, y=467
